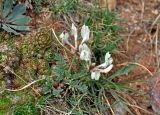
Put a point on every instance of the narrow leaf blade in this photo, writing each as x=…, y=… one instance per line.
x=122, y=71
x=19, y=28
x=8, y=29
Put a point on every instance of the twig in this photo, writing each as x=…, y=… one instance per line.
x=156, y=47
x=142, y=13
x=109, y=105
x=142, y=67
x=76, y=104
x=57, y=110
x=26, y=86
x=59, y=41
x=32, y=88
x=139, y=108
x=155, y=21
x=145, y=68
x=128, y=38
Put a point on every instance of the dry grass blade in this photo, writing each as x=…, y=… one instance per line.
x=128, y=100
x=26, y=86
x=109, y=105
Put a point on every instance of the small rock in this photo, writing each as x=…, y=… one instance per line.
x=120, y=109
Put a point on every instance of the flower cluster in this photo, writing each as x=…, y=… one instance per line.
x=102, y=68
x=85, y=52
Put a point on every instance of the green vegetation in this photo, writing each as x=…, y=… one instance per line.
x=37, y=5
x=14, y=20
x=65, y=85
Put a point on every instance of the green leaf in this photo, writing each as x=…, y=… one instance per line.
x=21, y=20
x=20, y=28
x=82, y=87
x=56, y=92
x=18, y=10
x=110, y=46
x=121, y=87
x=8, y=29
x=122, y=71
x=7, y=7
x=46, y=90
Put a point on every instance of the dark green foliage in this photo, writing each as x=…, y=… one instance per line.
x=123, y=71
x=48, y=85
x=14, y=21
x=62, y=6
x=4, y=103
x=61, y=68
x=57, y=92
x=37, y=5
x=26, y=109
x=106, y=32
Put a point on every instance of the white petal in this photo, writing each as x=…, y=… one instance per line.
x=84, y=47
x=107, y=56
x=110, y=61
x=95, y=75
x=106, y=70
x=64, y=37
x=74, y=31
x=85, y=55
x=85, y=33
x=103, y=65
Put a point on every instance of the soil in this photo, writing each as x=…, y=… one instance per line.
x=141, y=30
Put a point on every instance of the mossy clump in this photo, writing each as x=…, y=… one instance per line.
x=4, y=103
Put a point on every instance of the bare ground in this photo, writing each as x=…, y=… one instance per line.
x=141, y=24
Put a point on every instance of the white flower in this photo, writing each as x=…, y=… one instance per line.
x=108, y=59
x=75, y=34
x=85, y=55
x=107, y=56
x=74, y=31
x=95, y=75
x=64, y=38
x=85, y=52
x=106, y=70
x=85, y=33
x=83, y=47
x=103, y=68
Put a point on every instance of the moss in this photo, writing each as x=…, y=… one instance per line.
x=4, y=103
x=3, y=112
